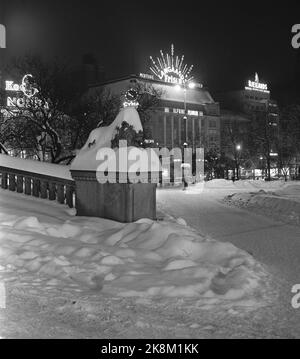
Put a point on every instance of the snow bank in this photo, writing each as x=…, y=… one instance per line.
x=141, y=259
x=282, y=203
x=43, y=168
x=228, y=185
x=94, y=151
x=259, y=184
x=217, y=183
x=244, y=184
x=290, y=190
x=103, y=135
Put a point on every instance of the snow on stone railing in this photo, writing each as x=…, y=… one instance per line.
x=38, y=179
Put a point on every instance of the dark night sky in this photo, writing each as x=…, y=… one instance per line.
x=226, y=43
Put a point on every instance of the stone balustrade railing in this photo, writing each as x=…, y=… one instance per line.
x=38, y=185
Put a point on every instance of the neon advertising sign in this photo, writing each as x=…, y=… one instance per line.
x=171, y=68
x=131, y=98
x=257, y=86
x=27, y=87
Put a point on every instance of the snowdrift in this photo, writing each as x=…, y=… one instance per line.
x=141, y=259
x=219, y=183
x=281, y=202
x=95, y=151
x=244, y=184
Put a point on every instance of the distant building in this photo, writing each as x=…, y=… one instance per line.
x=231, y=120
x=240, y=107
x=187, y=115
x=253, y=100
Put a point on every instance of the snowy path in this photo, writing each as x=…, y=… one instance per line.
x=275, y=244
x=271, y=242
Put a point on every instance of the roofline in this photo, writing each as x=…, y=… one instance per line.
x=136, y=76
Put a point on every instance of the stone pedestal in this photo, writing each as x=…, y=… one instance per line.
x=123, y=202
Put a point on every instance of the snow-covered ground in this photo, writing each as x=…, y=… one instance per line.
x=56, y=259
x=73, y=277
x=144, y=259
x=279, y=200
x=271, y=241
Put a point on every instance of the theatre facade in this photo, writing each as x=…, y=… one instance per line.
x=186, y=115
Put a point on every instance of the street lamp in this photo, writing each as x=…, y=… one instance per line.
x=237, y=162
x=183, y=86
x=261, y=165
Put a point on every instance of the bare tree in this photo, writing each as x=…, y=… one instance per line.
x=57, y=120
x=235, y=144
x=289, y=140
x=263, y=139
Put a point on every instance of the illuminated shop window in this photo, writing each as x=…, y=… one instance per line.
x=192, y=113
x=178, y=110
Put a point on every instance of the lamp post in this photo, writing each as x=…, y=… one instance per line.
x=184, y=86
x=183, y=165
x=237, y=160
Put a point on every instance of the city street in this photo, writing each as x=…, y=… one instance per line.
x=149, y=173
x=273, y=243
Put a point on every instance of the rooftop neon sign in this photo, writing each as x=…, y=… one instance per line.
x=171, y=68
x=256, y=85
x=26, y=86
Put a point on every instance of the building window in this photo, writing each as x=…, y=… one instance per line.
x=169, y=130
x=213, y=139
x=212, y=123
x=176, y=131
x=167, y=109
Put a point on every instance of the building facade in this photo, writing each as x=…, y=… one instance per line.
x=254, y=99
x=250, y=110
x=187, y=116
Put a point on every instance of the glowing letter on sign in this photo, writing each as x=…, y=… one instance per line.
x=296, y=38
x=2, y=37
x=9, y=86
x=296, y=298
